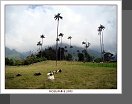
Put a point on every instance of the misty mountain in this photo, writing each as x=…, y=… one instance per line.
x=92, y=52
x=12, y=53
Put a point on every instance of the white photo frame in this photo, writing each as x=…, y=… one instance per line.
x=64, y=91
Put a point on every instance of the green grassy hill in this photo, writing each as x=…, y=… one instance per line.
x=75, y=75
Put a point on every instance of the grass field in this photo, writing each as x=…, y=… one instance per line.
x=75, y=75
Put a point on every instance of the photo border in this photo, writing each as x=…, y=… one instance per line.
x=64, y=91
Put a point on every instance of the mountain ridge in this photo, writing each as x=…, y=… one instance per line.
x=12, y=53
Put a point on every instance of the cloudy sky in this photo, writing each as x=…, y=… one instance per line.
x=25, y=24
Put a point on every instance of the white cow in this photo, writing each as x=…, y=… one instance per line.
x=50, y=76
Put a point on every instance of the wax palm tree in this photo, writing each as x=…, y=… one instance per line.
x=100, y=28
x=86, y=47
x=83, y=42
x=70, y=40
x=70, y=43
x=57, y=17
x=39, y=44
x=42, y=36
x=61, y=35
x=99, y=33
x=65, y=48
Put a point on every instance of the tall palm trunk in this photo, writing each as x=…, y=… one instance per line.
x=41, y=51
x=71, y=48
x=60, y=47
x=42, y=41
x=70, y=42
x=39, y=48
x=100, y=44
x=102, y=48
x=42, y=45
x=57, y=42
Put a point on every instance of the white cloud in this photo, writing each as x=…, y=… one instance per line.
x=25, y=24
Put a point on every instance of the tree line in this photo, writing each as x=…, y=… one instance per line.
x=49, y=54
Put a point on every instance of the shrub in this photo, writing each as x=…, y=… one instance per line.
x=97, y=60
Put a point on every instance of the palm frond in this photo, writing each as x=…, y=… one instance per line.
x=42, y=36
x=60, y=17
x=57, y=39
x=99, y=29
x=61, y=34
x=57, y=16
x=69, y=37
x=83, y=42
x=39, y=43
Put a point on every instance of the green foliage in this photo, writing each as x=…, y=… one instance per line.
x=49, y=54
x=97, y=60
x=68, y=57
x=18, y=62
x=80, y=57
x=85, y=56
x=33, y=59
x=61, y=54
x=88, y=57
x=107, y=56
x=29, y=60
x=9, y=61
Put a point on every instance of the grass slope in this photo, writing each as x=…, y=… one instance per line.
x=75, y=75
